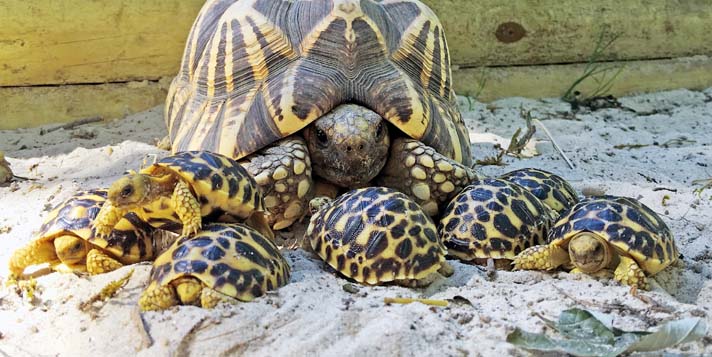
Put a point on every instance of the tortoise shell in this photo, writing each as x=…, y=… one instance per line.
x=224, y=189
x=131, y=240
x=233, y=259
x=627, y=224
x=375, y=235
x=551, y=189
x=493, y=218
x=256, y=71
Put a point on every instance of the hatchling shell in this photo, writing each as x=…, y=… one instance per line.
x=550, y=188
x=375, y=235
x=233, y=259
x=493, y=218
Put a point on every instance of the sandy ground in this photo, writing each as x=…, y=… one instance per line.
x=313, y=314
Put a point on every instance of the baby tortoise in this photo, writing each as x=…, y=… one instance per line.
x=223, y=262
x=551, y=189
x=180, y=192
x=376, y=235
x=604, y=233
x=67, y=242
x=493, y=219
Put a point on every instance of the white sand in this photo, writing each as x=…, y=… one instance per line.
x=313, y=314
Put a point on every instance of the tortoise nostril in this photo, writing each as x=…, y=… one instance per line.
x=360, y=147
x=348, y=149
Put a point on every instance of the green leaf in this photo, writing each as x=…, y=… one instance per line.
x=671, y=334
x=589, y=333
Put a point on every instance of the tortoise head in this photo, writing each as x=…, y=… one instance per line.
x=130, y=190
x=348, y=146
x=589, y=252
x=70, y=250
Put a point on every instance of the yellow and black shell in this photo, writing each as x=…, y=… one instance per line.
x=233, y=259
x=256, y=71
x=493, y=218
x=224, y=189
x=550, y=188
x=376, y=235
x=131, y=240
x=627, y=224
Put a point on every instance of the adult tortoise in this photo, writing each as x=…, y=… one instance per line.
x=354, y=90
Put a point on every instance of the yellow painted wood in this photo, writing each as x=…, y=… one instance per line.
x=24, y=107
x=89, y=41
x=565, y=31
x=553, y=80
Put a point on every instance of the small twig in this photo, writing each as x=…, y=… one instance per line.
x=674, y=190
x=73, y=124
x=553, y=142
x=412, y=300
x=107, y=291
x=630, y=146
x=146, y=339
x=181, y=348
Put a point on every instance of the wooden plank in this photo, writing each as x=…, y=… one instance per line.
x=25, y=107
x=553, y=80
x=33, y=106
x=88, y=41
x=565, y=31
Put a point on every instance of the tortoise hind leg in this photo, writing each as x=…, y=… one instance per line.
x=629, y=272
x=36, y=252
x=283, y=172
x=421, y=172
x=99, y=262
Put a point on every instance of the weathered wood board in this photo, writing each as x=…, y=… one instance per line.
x=85, y=41
x=531, y=48
x=552, y=81
x=24, y=107
x=528, y=32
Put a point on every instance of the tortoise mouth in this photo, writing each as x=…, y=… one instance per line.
x=350, y=172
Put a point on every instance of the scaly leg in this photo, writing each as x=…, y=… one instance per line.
x=36, y=252
x=283, y=172
x=187, y=208
x=158, y=298
x=628, y=272
x=210, y=298
x=106, y=219
x=541, y=257
x=99, y=262
x=428, y=177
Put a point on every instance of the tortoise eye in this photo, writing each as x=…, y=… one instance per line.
x=321, y=136
x=127, y=191
x=379, y=130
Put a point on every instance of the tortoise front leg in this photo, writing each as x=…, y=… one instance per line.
x=629, y=272
x=108, y=216
x=99, y=262
x=187, y=208
x=419, y=171
x=283, y=172
x=36, y=252
x=541, y=257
